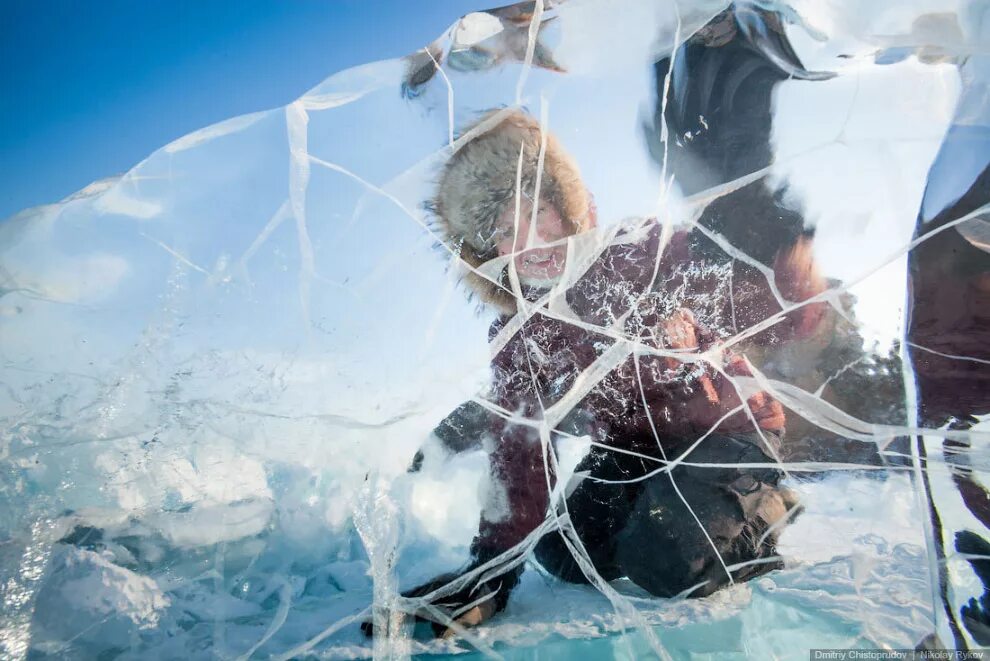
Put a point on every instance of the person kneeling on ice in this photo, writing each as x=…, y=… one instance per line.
x=616, y=334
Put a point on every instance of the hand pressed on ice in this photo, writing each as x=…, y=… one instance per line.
x=680, y=330
x=468, y=607
x=715, y=394
x=768, y=411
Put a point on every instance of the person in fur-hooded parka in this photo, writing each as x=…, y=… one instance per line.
x=615, y=334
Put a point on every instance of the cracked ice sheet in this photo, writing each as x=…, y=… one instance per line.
x=217, y=367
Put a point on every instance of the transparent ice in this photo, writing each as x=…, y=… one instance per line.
x=217, y=367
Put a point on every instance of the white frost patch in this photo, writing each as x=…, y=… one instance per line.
x=446, y=498
x=475, y=28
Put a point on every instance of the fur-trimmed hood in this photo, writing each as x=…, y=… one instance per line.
x=479, y=180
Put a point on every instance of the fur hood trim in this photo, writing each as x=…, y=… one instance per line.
x=479, y=180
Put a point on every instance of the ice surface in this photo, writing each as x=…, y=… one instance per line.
x=218, y=367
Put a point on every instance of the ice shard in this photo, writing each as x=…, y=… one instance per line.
x=653, y=328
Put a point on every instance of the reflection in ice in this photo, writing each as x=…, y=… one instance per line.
x=653, y=330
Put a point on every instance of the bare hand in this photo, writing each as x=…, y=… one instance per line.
x=466, y=608
x=680, y=330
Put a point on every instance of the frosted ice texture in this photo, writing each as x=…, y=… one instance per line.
x=217, y=367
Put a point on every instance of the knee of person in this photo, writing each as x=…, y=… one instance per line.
x=669, y=547
x=554, y=556
x=662, y=549
x=697, y=565
x=663, y=572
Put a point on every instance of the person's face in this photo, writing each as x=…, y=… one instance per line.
x=534, y=259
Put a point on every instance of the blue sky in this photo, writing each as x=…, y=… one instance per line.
x=91, y=88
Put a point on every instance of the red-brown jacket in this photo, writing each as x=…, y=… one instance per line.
x=690, y=300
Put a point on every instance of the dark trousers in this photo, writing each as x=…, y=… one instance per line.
x=643, y=530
